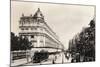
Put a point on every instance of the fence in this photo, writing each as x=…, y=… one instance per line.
x=17, y=55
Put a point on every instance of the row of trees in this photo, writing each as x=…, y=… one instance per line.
x=83, y=43
x=19, y=43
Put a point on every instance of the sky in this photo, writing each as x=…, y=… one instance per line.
x=65, y=20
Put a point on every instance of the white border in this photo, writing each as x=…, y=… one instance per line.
x=5, y=32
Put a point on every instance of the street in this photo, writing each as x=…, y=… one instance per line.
x=59, y=59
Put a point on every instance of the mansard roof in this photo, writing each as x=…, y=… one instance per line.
x=38, y=14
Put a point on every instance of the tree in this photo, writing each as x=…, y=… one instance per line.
x=19, y=43
x=24, y=43
x=84, y=42
x=14, y=42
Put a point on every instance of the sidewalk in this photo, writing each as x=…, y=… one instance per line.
x=19, y=62
x=41, y=63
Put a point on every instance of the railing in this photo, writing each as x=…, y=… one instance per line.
x=17, y=55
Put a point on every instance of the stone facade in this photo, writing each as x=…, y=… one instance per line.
x=38, y=32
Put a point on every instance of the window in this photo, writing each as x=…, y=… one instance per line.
x=35, y=28
x=32, y=36
x=31, y=28
x=41, y=41
x=38, y=23
x=26, y=28
x=22, y=28
x=38, y=20
x=41, y=29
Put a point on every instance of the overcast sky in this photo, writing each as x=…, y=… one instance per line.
x=65, y=20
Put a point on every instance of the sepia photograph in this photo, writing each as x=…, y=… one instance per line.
x=51, y=33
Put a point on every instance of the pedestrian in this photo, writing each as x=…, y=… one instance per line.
x=53, y=62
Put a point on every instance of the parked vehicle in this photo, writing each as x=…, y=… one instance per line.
x=40, y=56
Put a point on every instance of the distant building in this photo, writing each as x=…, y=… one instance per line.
x=38, y=32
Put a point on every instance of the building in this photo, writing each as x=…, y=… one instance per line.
x=39, y=33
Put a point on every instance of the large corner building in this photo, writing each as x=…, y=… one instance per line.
x=39, y=33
